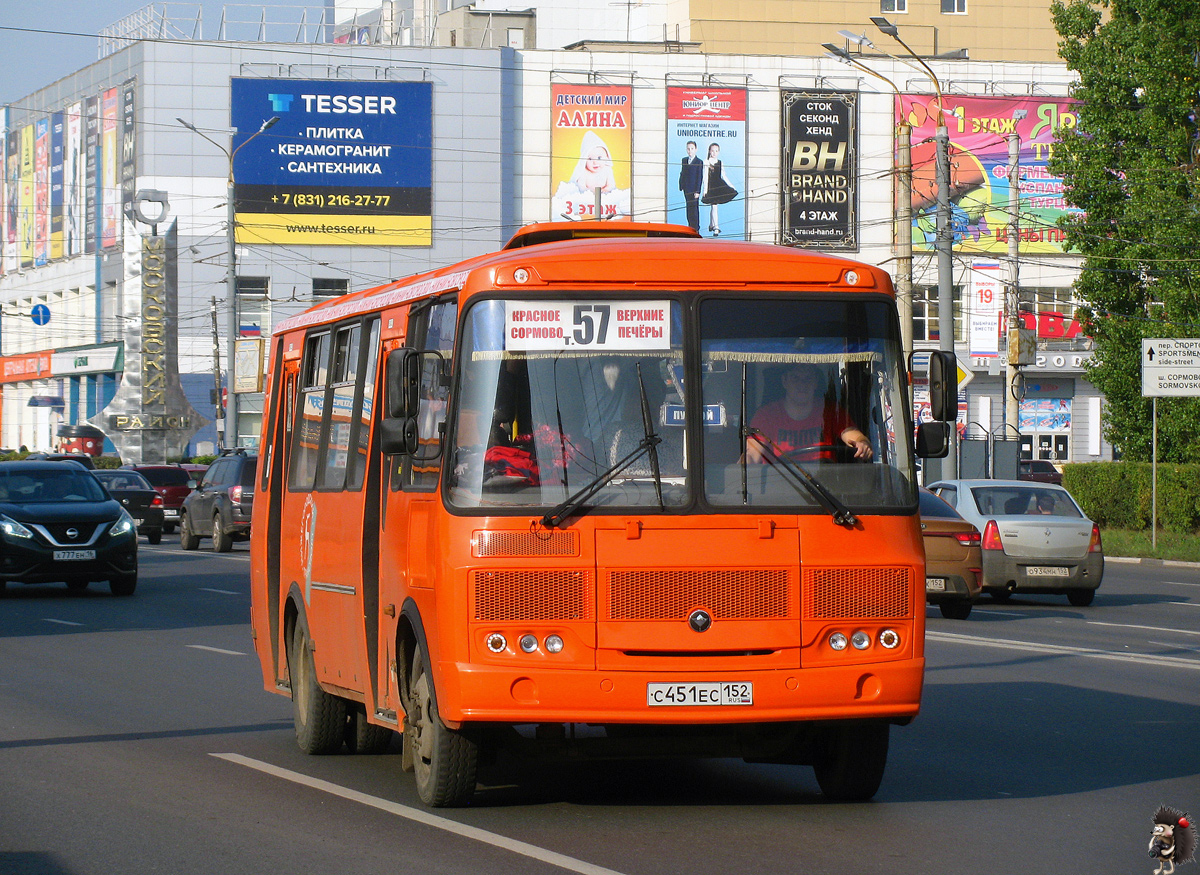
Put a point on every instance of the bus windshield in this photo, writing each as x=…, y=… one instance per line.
x=794, y=389
x=551, y=398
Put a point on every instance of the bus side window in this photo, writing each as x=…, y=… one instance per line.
x=431, y=328
x=307, y=434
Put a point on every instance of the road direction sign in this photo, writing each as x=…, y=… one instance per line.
x=40, y=314
x=1170, y=367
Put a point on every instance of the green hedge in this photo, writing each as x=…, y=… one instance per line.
x=1118, y=494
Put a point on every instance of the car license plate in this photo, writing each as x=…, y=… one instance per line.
x=935, y=584
x=1047, y=571
x=73, y=555
x=723, y=693
x=171, y=513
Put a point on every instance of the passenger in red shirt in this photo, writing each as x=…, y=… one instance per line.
x=801, y=419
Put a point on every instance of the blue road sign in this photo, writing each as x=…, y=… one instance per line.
x=40, y=314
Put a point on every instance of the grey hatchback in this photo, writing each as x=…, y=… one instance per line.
x=221, y=503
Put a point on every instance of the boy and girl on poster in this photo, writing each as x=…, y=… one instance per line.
x=591, y=165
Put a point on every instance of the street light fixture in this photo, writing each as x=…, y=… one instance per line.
x=231, y=405
x=945, y=238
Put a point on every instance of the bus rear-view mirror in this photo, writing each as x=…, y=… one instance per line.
x=403, y=383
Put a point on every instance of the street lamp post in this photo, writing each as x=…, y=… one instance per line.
x=903, y=226
x=945, y=234
x=231, y=405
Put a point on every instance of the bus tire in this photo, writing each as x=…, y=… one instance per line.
x=365, y=738
x=850, y=767
x=188, y=540
x=319, y=717
x=445, y=761
x=221, y=540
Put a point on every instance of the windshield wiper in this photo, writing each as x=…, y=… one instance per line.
x=800, y=477
x=648, y=444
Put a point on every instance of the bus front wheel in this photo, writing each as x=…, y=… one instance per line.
x=444, y=761
x=319, y=717
x=850, y=767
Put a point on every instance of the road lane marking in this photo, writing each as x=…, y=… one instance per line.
x=416, y=815
x=215, y=649
x=1146, y=628
x=61, y=622
x=220, y=591
x=1063, y=650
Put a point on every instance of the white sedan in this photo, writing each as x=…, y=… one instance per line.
x=1035, y=537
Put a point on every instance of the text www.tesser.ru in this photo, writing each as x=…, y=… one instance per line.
x=331, y=229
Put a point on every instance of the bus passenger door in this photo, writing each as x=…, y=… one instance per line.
x=410, y=484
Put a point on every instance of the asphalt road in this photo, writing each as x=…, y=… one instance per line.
x=135, y=737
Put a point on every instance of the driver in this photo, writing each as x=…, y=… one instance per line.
x=801, y=420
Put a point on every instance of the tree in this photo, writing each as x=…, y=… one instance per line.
x=1131, y=165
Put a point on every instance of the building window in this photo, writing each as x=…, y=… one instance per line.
x=925, y=314
x=516, y=36
x=330, y=288
x=893, y=5
x=954, y=7
x=254, y=306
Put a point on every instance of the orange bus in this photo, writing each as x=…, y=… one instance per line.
x=613, y=490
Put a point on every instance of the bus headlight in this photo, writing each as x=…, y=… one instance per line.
x=860, y=640
x=889, y=639
x=497, y=643
x=554, y=644
x=837, y=641
x=528, y=643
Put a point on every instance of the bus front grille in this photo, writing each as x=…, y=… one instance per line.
x=730, y=593
x=859, y=593
x=527, y=595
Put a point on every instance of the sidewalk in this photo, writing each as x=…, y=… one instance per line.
x=1166, y=563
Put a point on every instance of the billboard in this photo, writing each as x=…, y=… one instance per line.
x=706, y=160
x=41, y=192
x=346, y=164
x=56, y=185
x=820, y=169
x=110, y=193
x=979, y=189
x=591, y=150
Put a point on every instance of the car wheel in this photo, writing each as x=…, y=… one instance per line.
x=221, y=541
x=320, y=718
x=77, y=585
x=850, y=769
x=1081, y=598
x=1000, y=595
x=154, y=536
x=959, y=610
x=363, y=737
x=124, y=585
x=445, y=761
x=188, y=539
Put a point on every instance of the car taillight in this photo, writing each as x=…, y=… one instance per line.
x=1095, y=546
x=967, y=539
x=157, y=502
x=991, y=536
x=235, y=493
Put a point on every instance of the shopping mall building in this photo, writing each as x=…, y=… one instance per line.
x=356, y=164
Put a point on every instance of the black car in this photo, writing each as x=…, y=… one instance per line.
x=58, y=524
x=82, y=458
x=138, y=497
x=220, y=504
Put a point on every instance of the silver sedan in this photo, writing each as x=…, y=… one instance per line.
x=1035, y=537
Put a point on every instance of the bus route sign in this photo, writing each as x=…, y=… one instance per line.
x=1170, y=367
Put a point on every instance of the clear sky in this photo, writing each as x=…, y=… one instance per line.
x=44, y=40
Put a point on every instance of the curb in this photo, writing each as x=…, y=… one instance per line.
x=1166, y=563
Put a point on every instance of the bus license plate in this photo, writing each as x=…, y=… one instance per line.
x=724, y=693
x=73, y=555
x=1047, y=571
x=935, y=584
